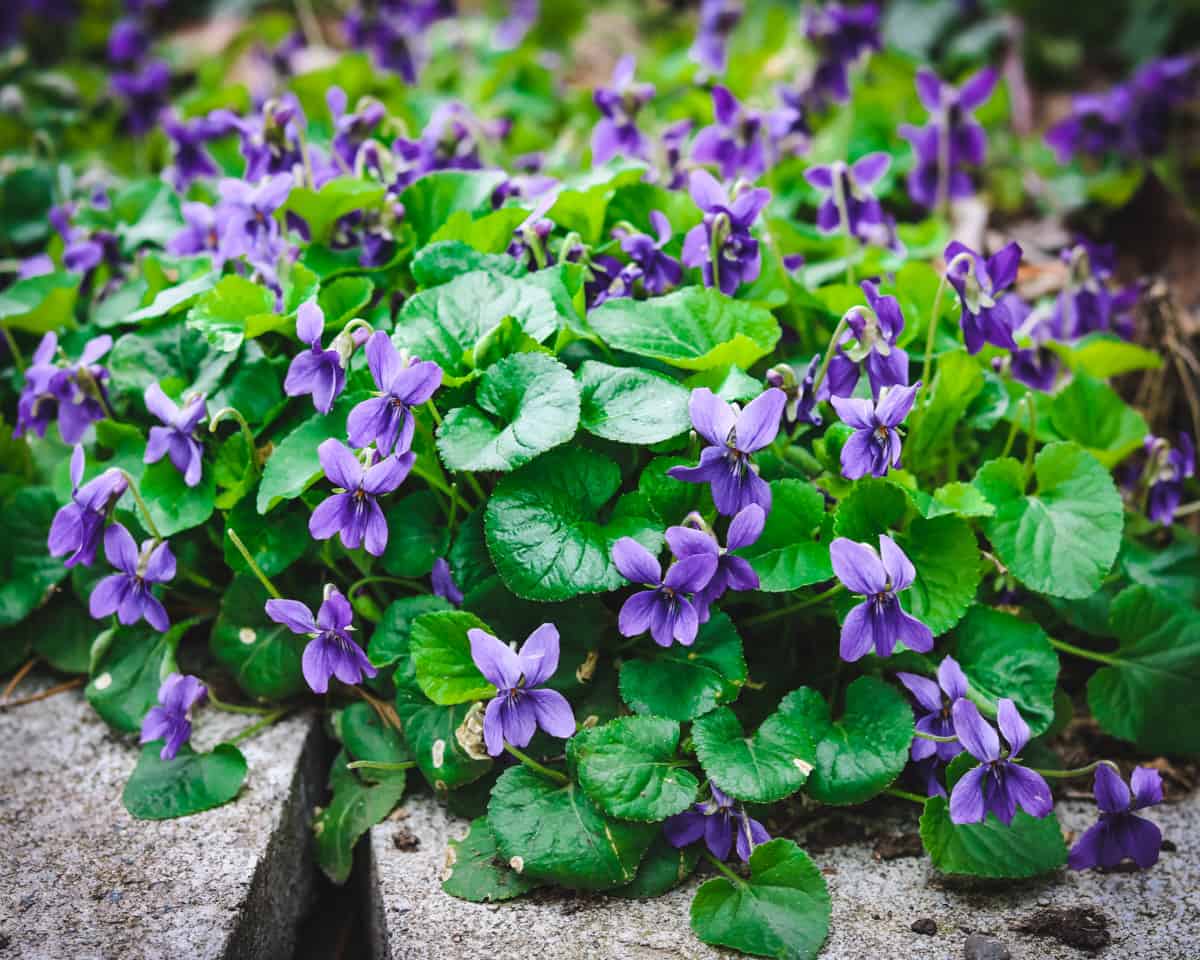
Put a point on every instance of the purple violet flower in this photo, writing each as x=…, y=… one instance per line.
x=512, y=30
x=177, y=438
x=450, y=141
x=801, y=397
x=980, y=285
x=616, y=132
x=1171, y=466
x=732, y=436
x=732, y=573
x=169, y=720
x=1036, y=366
x=1086, y=304
x=1120, y=833
x=841, y=35
x=850, y=185
x=317, y=371
x=999, y=784
x=201, y=234
x=127, y=42
x=674, y=138
x=936, y=700
x=725, y=233
x=658, y=270
x=878, y=622
x=331, y=652
x=354, y=513
x=521, y=704
x=77, y=528
x=249, y=227
x=351, y=130
x=394, y=32
x=145, y=95
x=388, y=419
x=718, y=19
x=663, y=609
x=874, y=447
x=873, y=330
x=76, y=393
x=127, y=594
x=192, y=161
x=443, y=584
x=736, y=142
x=718, y=821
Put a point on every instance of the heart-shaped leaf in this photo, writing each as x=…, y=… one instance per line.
x=190, y=782
x=629, y=767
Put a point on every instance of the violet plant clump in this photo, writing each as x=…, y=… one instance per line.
x=806, y=487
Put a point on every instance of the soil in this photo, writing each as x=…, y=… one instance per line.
x=1085, y=928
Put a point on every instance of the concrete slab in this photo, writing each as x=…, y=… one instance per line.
x=80, y=879
x=1151, y=916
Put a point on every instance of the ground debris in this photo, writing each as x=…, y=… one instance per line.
x=1085, y=928
x=925, y=925
x=893, y=846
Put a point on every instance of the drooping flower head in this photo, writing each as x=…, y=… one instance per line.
x=665, y=608
x=657, y=270
x=1000, y=783
x=732, y=437
x=980, y=285
x=801, y=394
x=849, y=186
x=354, y=513
x=351, y=129
x=724, y=234
x=127, y=593
x=874, y=447
x=443, y=585
x=1036, y=366
x=718, y=18
x=1086, y=304
x=169, y=721
x=177, y=437
x=721, y=822
x=936, y=700
x=331, y=652
x=879, y=622
x=694, y=538
x=1167, y=468
x=871, y=343
x=77, y=528
x=317, y=370
x=522, y=703
x=736, y=143
x=387, y=420
x=1120, y=833
x=616, y=132
x=76, y=393
x=841, y=35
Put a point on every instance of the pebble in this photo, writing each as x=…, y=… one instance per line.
x=925, y=925
x=984, y=948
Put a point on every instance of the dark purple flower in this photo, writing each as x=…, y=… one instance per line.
x=874, y=447
x=616, y=132
x=169, y=721
x=271, y=141
x=393, y=31
x=717, y=821
x=849, y=186
x=521, y=704
x=1169, y=468
x=450, y=141
x=936, y=700
x=443, y=583
x=201, y=234
x=980, y=286
x=75, y=392
x=248, y=224
x=331, y=652
x=1000, y=783
x=731, y=573
x=1036, y=366
x=145, y=95
x=315, y=371
x=388, y=418
x=788, y=124
x=674, y=138
x=127, y=594
x=528, y=245
x=732, y=437
x=801, y=397
x=127, y=41
x=77, y=528
x=657, y=270
x=177, y=438
x=736, y=142
x=718, y=19
x=1120, y=833
x=354, y=513
x=841, y=35
x=351, y=130
x=873, y=331
x=189, y=137
x=663, y=609
x=724, y=234
x=879, y=622
x=1086, y=304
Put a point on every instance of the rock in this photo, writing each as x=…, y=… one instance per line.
x=977, y=947
x=80, y=879
x=925, y=925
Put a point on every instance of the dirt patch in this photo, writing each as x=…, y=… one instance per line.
x=1084, y=928
x=894, y=846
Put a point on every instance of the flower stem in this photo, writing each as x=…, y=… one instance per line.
x=18, y=357
x=254, y=567
x=841, y=328
x=220, y=704
x=934, y=737
x=716, y=240
x=532, y=764
x=724, y=869
x=937, y=313
x=839, y=199
x=906, y=795
x=380, y=765
x=137, y=495
x=1188, y=509
x=794, y=607
x=247, y=433
x=273, y=717
x=1085, y=654
x=1075, y=772
x=398, y=581
x=1032, y=438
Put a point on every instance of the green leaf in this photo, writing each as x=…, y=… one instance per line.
x=581, y=207
x=489, y=234
x=630, y=405
x=1005, y=656
x=544, y=527
x=1148, y=691
x=430, y=200
x=946, y=558
x=696, y=328
x=125, y=680
x=172, y=298
x=417, y=535
x=275, y=546
x=366, y=737
x=27, y=571
x=669, y=500
x=441, y=655
x=389, y=642
x=429, y=732
x=221, y=315
x=294, y=465
x=174, y=505
x=336, y=198
x=551, y=831
x=873, y=506
x=860, y=754
x=446, y=324
x=443, y=261
x=476, y=871
x=263, y=656
x=958, y=381
x=1062, y=539
x=162, y=789
x=683, y=683
x=533, y=403
x=1090, y=413
x=990, y=849
x=772, y=764
x=629, y=768
x=956, y=498
x=1104, y=355
x=62, y=635
x=344, y=299
x=782, y=911
x=663, y=868
x=40, y=304
x=355, y=808
x=793, y=550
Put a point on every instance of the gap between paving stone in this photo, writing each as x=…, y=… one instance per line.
x=80, y=879
x=1153, y=915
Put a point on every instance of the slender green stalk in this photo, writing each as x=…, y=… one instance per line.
x=537, y=767
x=931, y=333
x=380, y=765
x=273, y=717
x=137, y=495
x=398, y=581
x=1075, y=772
x=794, y=607
x=839, y=199
x=433, y=412
x=906, y=795
x=716, y=240
x=841, y=328
x=1029, y=450
x=233, y=413
x=724, y=869
x=254, y=567
x=1012, y=433
x=18, y=357
x=1085, y=654
x=237, y=707
x=935, y=738
x=1188, y=508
